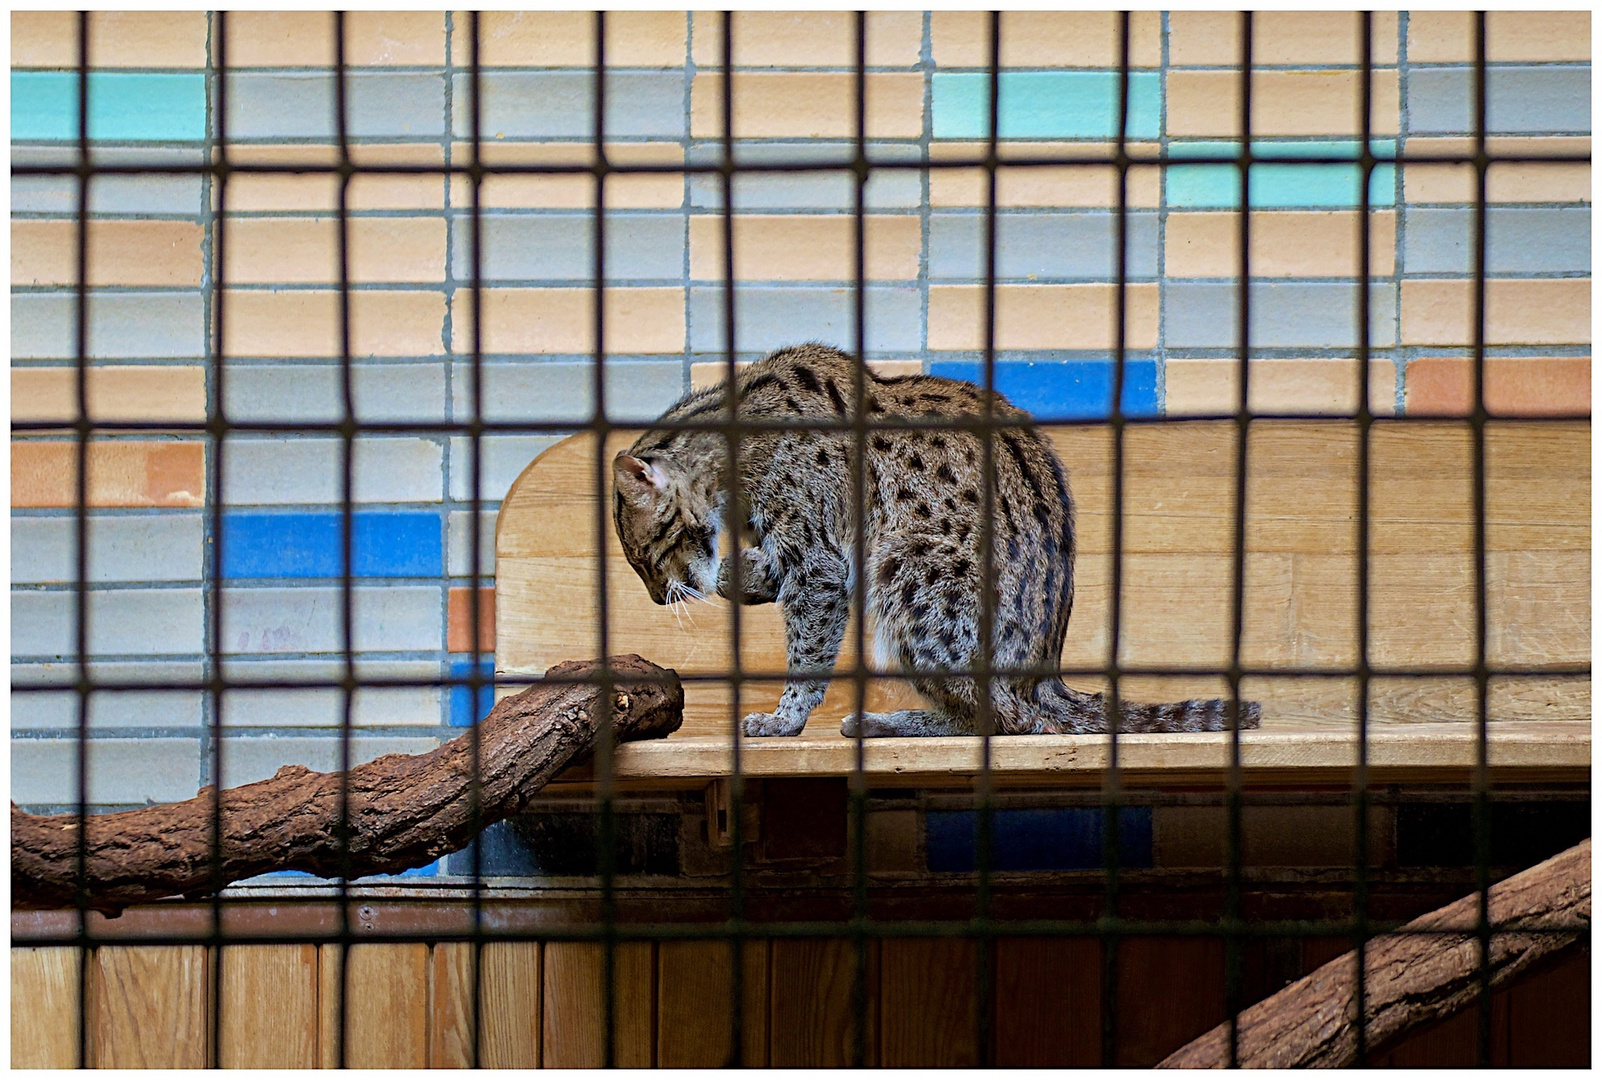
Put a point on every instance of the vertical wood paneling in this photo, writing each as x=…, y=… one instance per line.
x=1170, y=990
x=269, y=1007
x=386, y=1019
x=148, y=1007
x=928, y=991
x=695, y=987
x=44, y=1008
x=574, y=1012
x=813, y=1019
x=509, y=1004
x=1048, y=1003
x=1549, y=1019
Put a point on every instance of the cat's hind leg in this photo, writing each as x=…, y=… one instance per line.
x=903, y=722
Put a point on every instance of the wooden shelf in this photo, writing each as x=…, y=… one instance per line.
x=1545, y=751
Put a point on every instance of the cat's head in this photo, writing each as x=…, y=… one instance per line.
x=669, y=530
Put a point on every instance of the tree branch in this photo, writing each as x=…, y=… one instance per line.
x=1411, y=979
x=403, y=811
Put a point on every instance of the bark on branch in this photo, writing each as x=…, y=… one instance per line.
x=403, y=811
x=1411, y=980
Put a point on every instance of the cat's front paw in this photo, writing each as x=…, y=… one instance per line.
x=761, y=724
x=869, y=726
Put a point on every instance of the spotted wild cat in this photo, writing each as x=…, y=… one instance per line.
x=924, y=507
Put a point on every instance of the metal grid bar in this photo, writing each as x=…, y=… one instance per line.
x=983, y=928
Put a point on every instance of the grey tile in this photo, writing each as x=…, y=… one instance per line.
x=561, y=104
x=370, y=707
x=108, y=195
x=145, y=547
x=64, y=673
x=108, y=709
x=544, y=391
x=459, y=539
x=120, y=770
x=1440, y=240
x=122, y=326
x=135, y=622
x=1519, y=99
x=1284, y=315
x=768, y=317
x=383, y=392
x=885, y=190
x=409, y=104
x=247, y=760
x=395, y=618
x=297, y=104
x=560, y=247
x=279, y=471
x=1059, y=247
x=503, y=458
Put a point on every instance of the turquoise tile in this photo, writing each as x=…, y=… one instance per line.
x=122, y=106
x=1046, y=105
x=1278, y=186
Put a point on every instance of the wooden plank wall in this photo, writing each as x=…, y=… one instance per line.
x=1179, y=495
x=410, y=1005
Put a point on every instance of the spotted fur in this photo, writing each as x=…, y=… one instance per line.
x=923, y=537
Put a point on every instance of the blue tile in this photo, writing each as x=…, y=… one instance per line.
x=1046, y=105
x=1067, y=838
x=1064, y=389
x=307, y=544
x=462, y=713
x=1518, y=99
x=122, y=106
x=770, y=316
x=1045, y=246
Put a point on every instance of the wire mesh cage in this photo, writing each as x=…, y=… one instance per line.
x=748, y=907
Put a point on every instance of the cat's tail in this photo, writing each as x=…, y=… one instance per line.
x=1074, y=712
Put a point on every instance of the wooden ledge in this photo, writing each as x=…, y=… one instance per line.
x=1543, y=751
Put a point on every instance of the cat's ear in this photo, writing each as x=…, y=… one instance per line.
x=637, y=478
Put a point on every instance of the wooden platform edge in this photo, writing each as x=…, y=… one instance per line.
x=1551, y=750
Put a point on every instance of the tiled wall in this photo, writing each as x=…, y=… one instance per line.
x=156, y=251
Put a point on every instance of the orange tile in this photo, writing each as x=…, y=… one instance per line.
x=795, y=105
x=280, y=38
x=157, y=392
x=1041, y=316
x=459, y=620
x=806, y=247
x=395, y=37
x=306, y=323
x=1537, y=35
x=562, y=320
x=148, y=474
x=1514, y=386
x=121, y=39
x=120, y=253
x=1293, y=243
x=1527, y=312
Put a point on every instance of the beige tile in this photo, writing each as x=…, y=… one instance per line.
x=513, y=152
x=1537, y=35
x=794, y=105
x=1566, y=182
x=280, y=38
x=1048, y=39
x=306, y=250
x=1315, y=37
x=308, y=194
x=707, y=373
x=536, y=38
x=1516, y=312
x=1044, y=186
x=120, y=253
x=1321, y=386
x=1041, y=316
x=1204, y=102
x=1321, y=103
x=115, y=393
x=1438, y=183
x=145, y=474
x=1435, y=37
x=655, y=39
x=145, y=39
x=377, y=38
x=562, y=320
x=306, y=324
x=1204, y=38
x=44, y=39
x=806, y=248
x=809, y=39
x=1295, y=243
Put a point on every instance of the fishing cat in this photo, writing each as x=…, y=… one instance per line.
x=925, y=503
